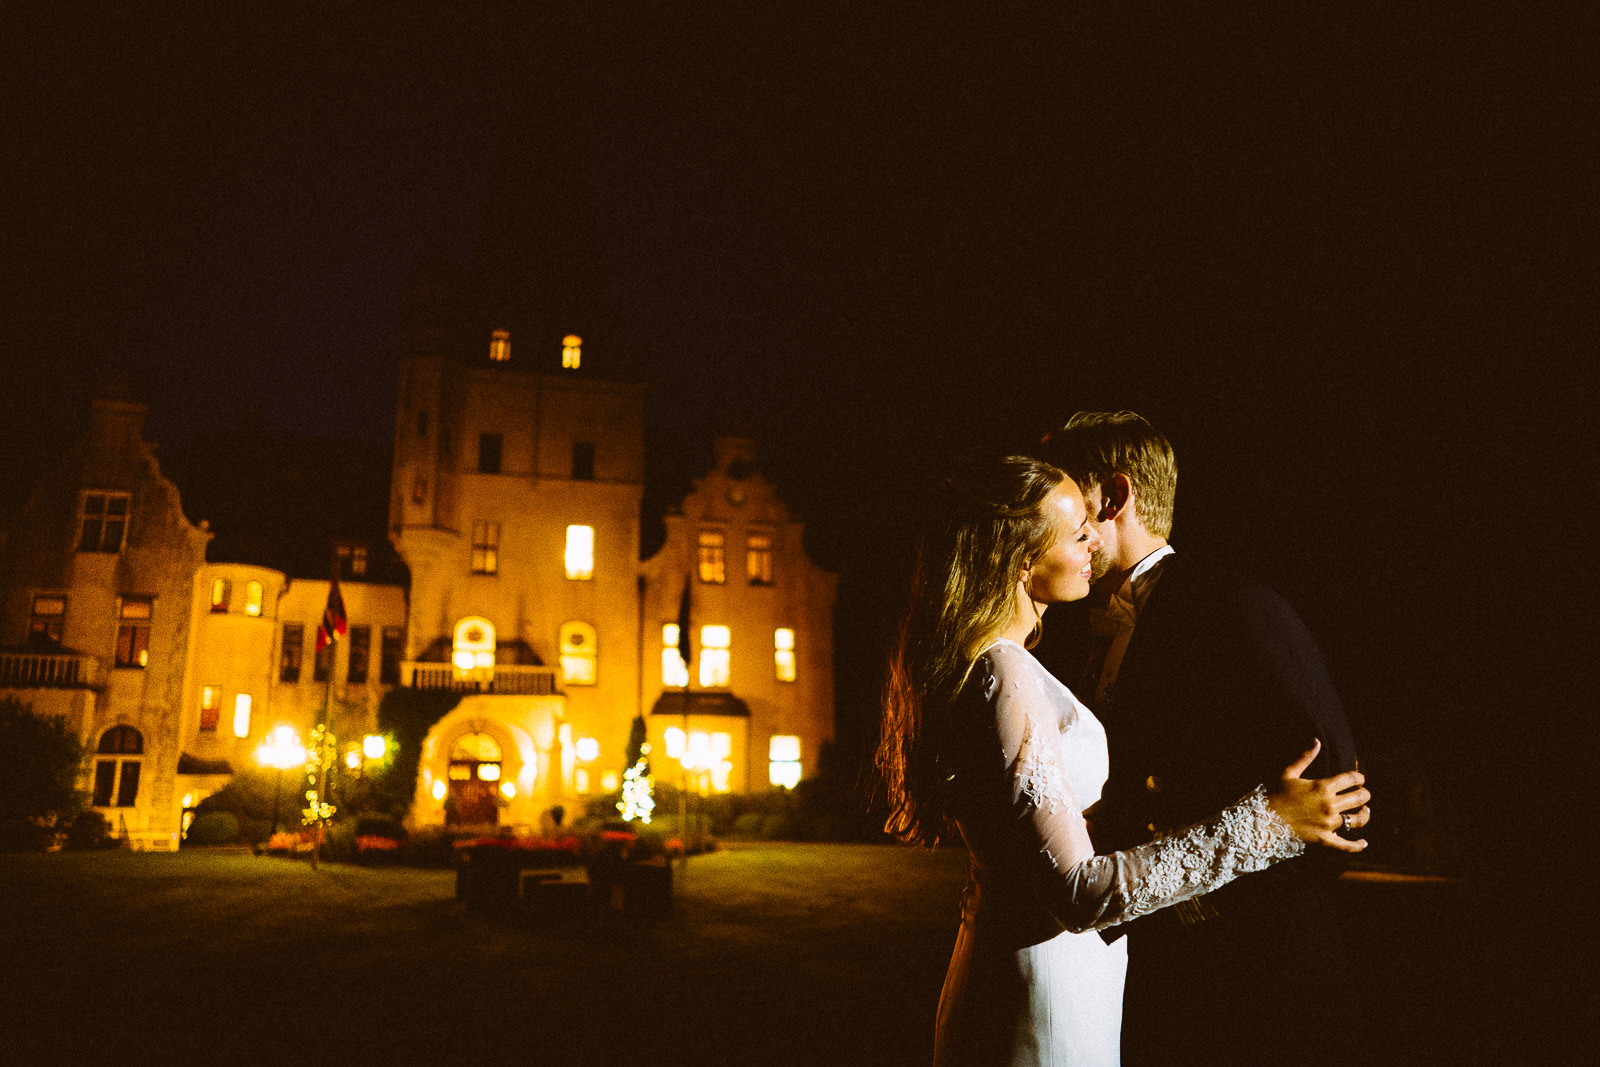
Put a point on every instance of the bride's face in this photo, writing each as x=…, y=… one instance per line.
x=1063, y=572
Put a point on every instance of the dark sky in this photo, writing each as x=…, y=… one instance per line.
x=1336, y=253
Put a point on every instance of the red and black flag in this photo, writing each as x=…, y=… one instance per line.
x=334, y=623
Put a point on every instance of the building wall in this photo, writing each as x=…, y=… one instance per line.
x=156, y=559
x=734, y=499
x=240, y=653
x=441, y=504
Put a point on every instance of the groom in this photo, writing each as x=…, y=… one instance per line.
x=1208, y=684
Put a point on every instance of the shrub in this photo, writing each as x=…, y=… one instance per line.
x=214, y=828
x=89, y=831
x=749, y=824
x=778, y=827
x=39, y=762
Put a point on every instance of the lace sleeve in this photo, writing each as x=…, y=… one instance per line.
x=1087, y=891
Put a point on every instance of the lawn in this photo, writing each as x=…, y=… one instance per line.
x=774, y=954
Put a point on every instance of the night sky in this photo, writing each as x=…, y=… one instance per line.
x=1335, y=255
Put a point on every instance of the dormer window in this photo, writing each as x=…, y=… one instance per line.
x=571, y=351
x=500, y=346
x=104, y=522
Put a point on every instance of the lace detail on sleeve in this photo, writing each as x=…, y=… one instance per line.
x=1040, y=781
x=1249, y=836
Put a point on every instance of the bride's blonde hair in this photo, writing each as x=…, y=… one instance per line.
x=991, y=527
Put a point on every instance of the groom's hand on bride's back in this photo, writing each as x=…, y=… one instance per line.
x=1316, y=809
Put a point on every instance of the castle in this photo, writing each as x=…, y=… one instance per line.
x=515, y=505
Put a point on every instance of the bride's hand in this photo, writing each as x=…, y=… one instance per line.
x=1317, y=809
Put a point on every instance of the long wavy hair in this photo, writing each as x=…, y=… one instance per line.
x=990, y=527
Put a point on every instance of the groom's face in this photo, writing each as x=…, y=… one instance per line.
x=1100, y=562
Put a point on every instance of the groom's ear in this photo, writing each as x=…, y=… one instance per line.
x=1115, y=497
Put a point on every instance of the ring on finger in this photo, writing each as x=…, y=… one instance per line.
x=1349, y=820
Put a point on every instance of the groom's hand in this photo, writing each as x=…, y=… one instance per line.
x=1317, y=809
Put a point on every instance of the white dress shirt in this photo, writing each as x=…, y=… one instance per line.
x=1113, y=625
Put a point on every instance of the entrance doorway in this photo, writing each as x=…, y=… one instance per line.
x=472, y=796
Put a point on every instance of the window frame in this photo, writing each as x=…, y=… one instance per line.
x=485, y=547
x=758, y=557
x=291, y=654
x=711, y=546
x=491, y=453
x=358, y=664
x=132, y=651
x=103, y=520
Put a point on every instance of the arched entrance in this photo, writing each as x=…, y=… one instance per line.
x=473, y=781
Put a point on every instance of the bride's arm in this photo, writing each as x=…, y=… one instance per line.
x=1086, y=891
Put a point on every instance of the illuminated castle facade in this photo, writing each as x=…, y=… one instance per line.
x=515, y=504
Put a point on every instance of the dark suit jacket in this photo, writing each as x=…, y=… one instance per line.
x=1220, y=688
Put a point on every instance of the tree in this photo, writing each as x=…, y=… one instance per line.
x=40, y=758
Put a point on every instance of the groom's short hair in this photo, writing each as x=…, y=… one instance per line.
x=1094, y=445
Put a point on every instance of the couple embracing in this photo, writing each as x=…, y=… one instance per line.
x=1200, y=743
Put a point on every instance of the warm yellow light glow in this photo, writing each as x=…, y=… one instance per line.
x=460, y=773
x=608, y=782
x=488, y=772
x=721, y=745
x=281, y=749
x=241, y=715
x=580, y=780
x=579, y=653
x=674, y=739
x=571, y=351
x=219, y=594
x=188, y=800
x=508, y=789
x=784, y=774
x=252, y=598
x=673, y=670
x=476, y=746
x=669, y=634
x=588, y=748
x=144, y=657
x=463, y=659
x=720, y=773
x=714, y=667
x=783, y=663
x=783, y=747
x=500, y=346
x=373, y=746
x=352, y=759
x=580, y=553
x=439, y=789
x=783, y=638
x=714, y=636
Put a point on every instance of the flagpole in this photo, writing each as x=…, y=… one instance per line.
x=321, y=735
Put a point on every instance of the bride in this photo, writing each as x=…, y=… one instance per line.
x=979, y=740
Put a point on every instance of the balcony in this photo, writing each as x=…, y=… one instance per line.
x=46, y=670
x=501, y=680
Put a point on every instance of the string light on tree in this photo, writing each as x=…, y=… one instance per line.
x=638, y=789
x=320, y=755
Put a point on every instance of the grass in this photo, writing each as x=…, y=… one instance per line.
x=774, y=954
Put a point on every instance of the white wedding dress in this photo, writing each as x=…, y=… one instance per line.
x=1031, y=982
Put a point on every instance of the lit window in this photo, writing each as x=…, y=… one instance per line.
x=714, y=641
x=210, y=708
x=783, y=755
x=294, y=636
x=241, y=715
x=221, y=593
x=116, y=780
x=571, y=351
x=578, y=654
x=674, y=741
x=580, y=780
x=252, y=598
x=674, y=671
x=783, y=653
x=588, y=748
x=360, y=655
x=105, y=522
x=133, y=631
x=500, y=346
x=485, y=548
x=758, y=558
x=713, y=568
x=609, y=782
x=473, y=647
x=580, y=553
x=44, y=625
